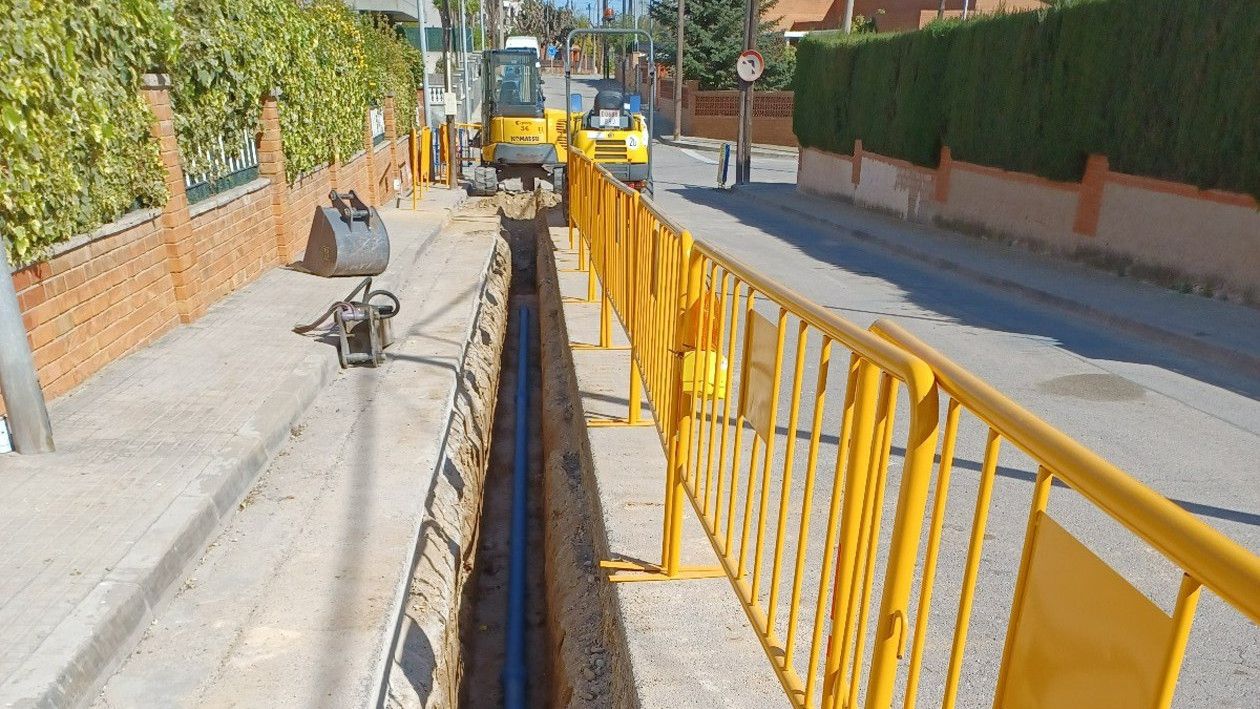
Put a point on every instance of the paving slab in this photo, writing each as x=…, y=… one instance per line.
x=154, y=455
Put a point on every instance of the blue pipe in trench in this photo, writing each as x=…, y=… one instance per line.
x=515, y=691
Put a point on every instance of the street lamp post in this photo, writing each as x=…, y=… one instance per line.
x=424, y=64
x=678, y=72
x=19, y=384
x=463, y=53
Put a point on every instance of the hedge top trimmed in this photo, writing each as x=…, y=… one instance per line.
x=1163, y=88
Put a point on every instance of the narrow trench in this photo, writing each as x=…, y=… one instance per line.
x=484, y=628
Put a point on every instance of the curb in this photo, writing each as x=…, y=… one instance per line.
x=762, y=151
x=103, y=629
x=1178, y=341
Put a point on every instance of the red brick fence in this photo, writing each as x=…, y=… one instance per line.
x=715, y=114
x=102, y=295
x=1166, y=232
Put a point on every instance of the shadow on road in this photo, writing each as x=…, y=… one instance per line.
x=948, y=295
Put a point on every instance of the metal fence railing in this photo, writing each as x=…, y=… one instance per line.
x=376, y=118
x=234, y=163
x=782, y=426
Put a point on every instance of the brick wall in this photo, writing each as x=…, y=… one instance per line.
x=1166, y=232
x=354, y=176
x=402, y=150
x=103, y=295
x=97, y=299
x=233, y=238
x=304, y=195
x=383, y=184
x=715, y=114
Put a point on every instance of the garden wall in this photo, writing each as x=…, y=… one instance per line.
x=1170, y=233
x=103, y=295
x=715, y=114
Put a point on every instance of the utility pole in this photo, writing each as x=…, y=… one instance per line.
x=23, y=398
x=848, y=16
x=501, y=25
x=678, y=72
x=743, y=146
x=424, y=64
x=447, y=100
x=607, y=10
x=463, y=63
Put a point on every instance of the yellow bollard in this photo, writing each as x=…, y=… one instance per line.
x=415, y=170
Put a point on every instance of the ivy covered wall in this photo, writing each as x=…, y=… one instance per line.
x=75, y=147
x=75, y=150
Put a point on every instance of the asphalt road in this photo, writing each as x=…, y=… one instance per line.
x=1188, y=429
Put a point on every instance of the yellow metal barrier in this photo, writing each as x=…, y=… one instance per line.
x=738, y=378
x=421, y=163
x=1089, y=637
x=678, y=298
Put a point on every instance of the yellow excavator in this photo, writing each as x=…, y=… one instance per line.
x=520, y=137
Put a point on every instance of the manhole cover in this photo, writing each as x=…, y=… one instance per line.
x=1093, y=387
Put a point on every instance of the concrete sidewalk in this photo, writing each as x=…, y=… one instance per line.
x=154, y=455
x=1219, y=331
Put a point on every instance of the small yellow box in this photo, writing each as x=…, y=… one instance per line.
x=716, y=381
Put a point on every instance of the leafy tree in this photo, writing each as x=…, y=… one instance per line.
x=448, y=13
x=543, y=20
x=714, y=39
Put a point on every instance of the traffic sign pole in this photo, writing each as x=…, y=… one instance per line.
x=743, y=148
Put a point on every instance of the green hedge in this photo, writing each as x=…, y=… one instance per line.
x=393, y=67
x=1164, y=88
x=75, y=144
x=75, y=149
x=328, y=63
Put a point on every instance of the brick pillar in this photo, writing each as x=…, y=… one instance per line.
x=856, y=177
x=370, y=158
x=334, y=169
x=1089, y=198
x=942, y=175
x=391, y=137
x=271, y=166
x=176, y=224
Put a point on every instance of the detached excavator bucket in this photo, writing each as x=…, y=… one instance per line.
x=346, y=239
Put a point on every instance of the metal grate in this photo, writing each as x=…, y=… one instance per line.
x=610, y=150
x=377, y=117
x=217, y=170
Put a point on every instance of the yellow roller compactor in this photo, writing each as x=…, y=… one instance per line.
x=615, y=134
x=520, y=137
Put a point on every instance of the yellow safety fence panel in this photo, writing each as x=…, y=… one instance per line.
x=779, y=421
x=421, y=163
